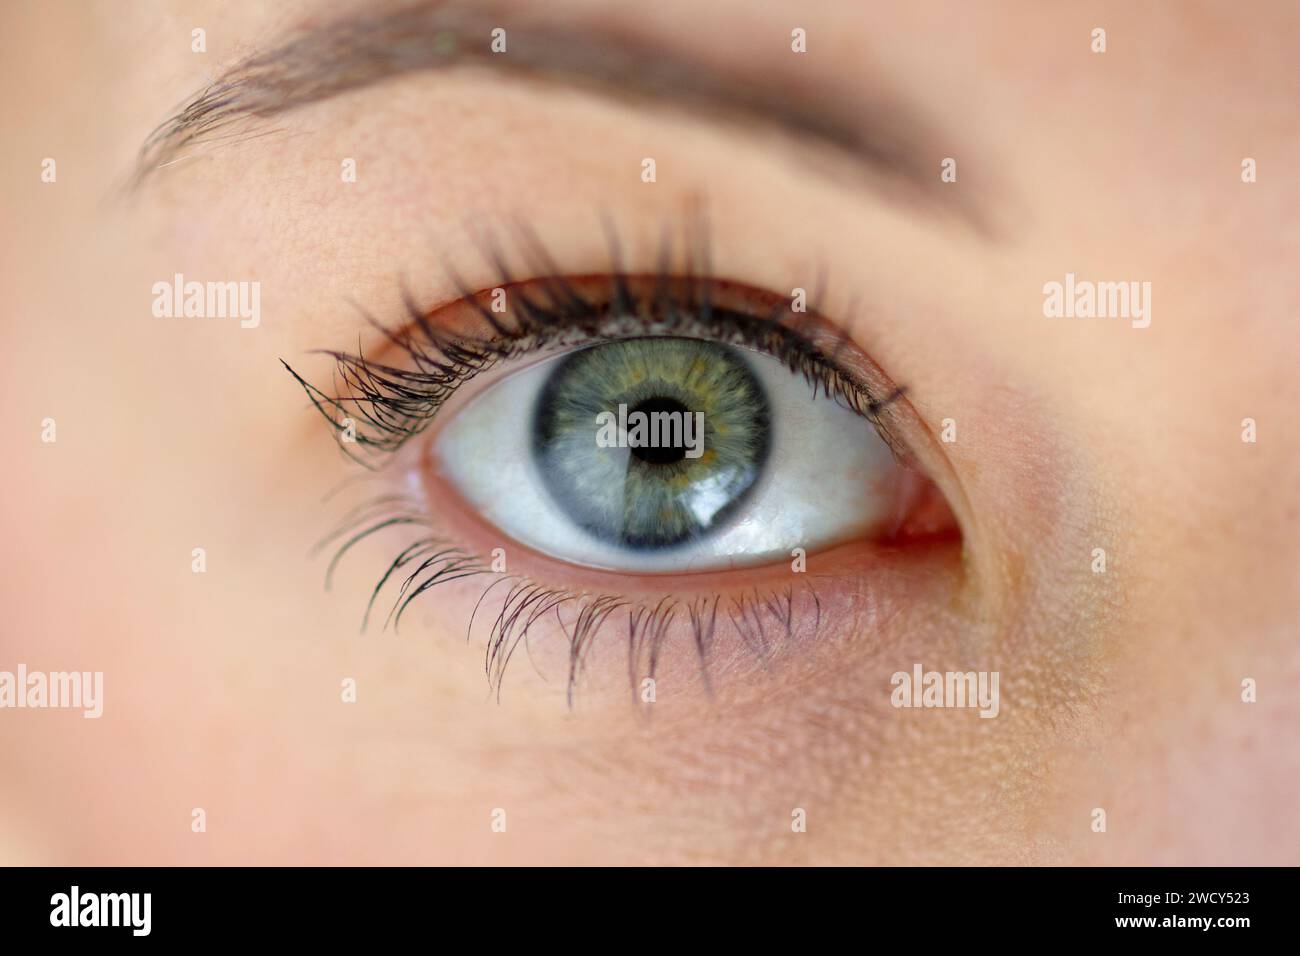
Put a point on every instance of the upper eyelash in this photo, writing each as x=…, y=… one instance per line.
x=388, y=404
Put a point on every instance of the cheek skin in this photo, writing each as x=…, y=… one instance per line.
x=794, y=712
x=809, y=725
x=699, y=776
x=713, y=774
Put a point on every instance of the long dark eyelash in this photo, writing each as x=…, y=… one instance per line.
x=428, y=561
x=377, y=407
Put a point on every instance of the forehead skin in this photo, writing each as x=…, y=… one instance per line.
x=1124, y=692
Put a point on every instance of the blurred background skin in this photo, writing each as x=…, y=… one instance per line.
x=222, y=689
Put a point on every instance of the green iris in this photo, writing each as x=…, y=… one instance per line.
x=651, y=442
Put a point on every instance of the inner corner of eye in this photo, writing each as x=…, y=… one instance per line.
x=669, y=454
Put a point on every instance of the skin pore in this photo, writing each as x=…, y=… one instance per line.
x=1120, y=690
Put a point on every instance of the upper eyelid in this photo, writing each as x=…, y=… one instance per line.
x=884, y=140
x=400, y=402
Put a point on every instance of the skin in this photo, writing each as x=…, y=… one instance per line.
x=1120, y=691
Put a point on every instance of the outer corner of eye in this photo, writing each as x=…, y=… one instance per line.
x=671, y=454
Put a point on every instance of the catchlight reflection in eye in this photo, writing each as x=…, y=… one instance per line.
x=778, y=466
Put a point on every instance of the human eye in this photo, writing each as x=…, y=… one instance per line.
x=669, y=444
x=688, y=450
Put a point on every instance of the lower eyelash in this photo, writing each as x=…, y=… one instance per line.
x=754, y=617
x=431, y=561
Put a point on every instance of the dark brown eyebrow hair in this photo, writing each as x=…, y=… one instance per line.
x=886, y=143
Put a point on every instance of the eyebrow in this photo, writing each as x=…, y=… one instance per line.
x=883, y=141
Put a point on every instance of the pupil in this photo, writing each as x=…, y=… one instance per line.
x=662, y=455
x=648, y=498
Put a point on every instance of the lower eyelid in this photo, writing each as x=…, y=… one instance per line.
x=693, y=635
x=762, y=615
x=931, y=532
x=765, y=619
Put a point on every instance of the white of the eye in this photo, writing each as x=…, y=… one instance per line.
x=827, y=478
